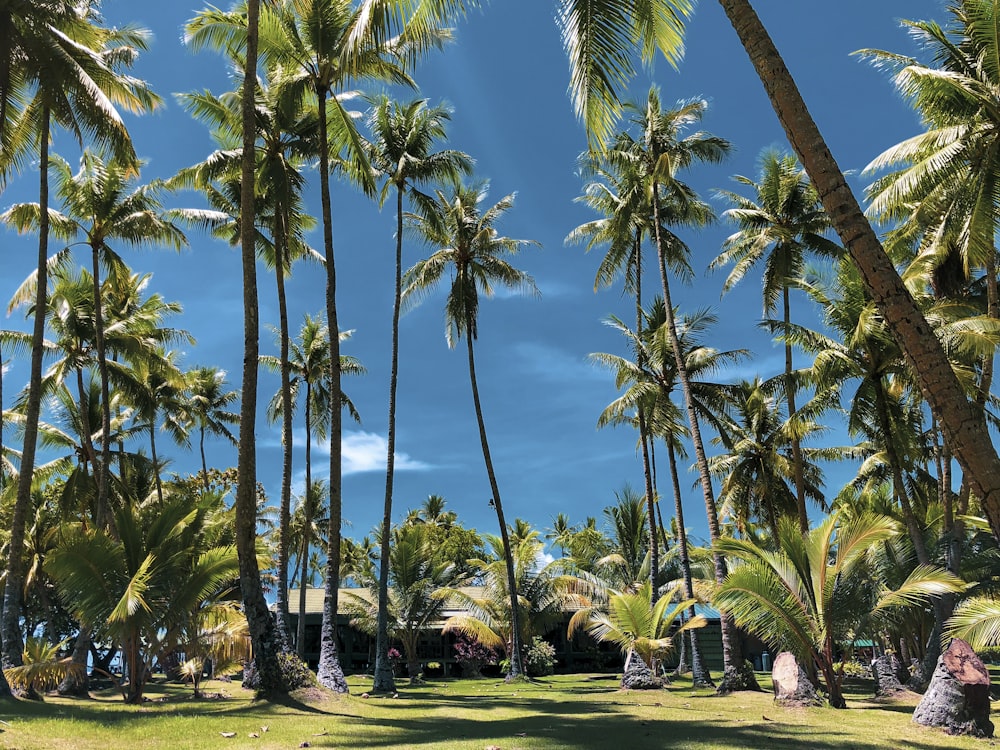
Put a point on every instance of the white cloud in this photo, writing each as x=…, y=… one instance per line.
x=363, y=452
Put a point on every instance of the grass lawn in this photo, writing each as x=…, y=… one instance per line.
x=572, y=711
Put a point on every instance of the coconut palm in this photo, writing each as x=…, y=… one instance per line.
x=758, y=469
x=778, y=226
x=637, y=624
x=471, y=249
x=403, y=136
x=604, y=37
x=416, y=576
x=806, y=596
x=137, y=585
x=543, y=595
x=69, y=73
x=208, y=409
x=306, y=529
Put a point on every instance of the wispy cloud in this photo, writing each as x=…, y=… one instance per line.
x=363, y=452
x=556, y=364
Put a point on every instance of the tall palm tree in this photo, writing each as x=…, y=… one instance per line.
x=208, y=409
x=758, y=469
x=403, y=136
x=786, y=218
x=69, y=73
x=102, y=206
x=471, y=249
x=663, y=151
x=604, y=37
x=655, y=384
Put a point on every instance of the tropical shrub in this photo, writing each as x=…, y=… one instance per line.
x=540, y=659
x=473, y=656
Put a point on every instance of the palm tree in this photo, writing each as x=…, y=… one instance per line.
x=208, y=408
x=306, y=527
x=638, y=624
x=654, y=384
x=403, y=136
x=143, y=581
x=417, y=575
x=602, y=38
x=785, y=217
x=472, y=250
x=758, y=470
x=68, y=73
x=543, y=595
x=805, y=597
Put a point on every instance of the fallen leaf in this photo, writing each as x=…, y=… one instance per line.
x=253, y=735
x=365, y=695
x=227, y=735
x=324, y=733
x=766, y=718
x=521, y=734
x=263, y=728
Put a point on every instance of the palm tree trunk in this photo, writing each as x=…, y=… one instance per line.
x=516, y=647
x=331, y=675
x=700, y=676
x=10, y=631
x=259, y=619
x=735, y=677
x=384, y=681
x=963, y=424
x=285, y=503
x=644, y=440
x=300, y=623
x=204, y=464
x=797, y=468
x=103, y=469
x=154, y=459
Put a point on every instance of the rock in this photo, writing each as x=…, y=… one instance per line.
x=638, y=676
x=792, y=686
x=958, y=696
x=886, y=671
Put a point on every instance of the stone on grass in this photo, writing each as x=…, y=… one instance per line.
x=638, y=676
x=958, y=696
x=792, y=686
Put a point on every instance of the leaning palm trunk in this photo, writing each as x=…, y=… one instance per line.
x=76, y=683
x=735, y=677
x=384, y=679
x=10, y=631
x=800, y=483
x=700, y=676
x=284, y=512
x=103, y=468
x=516, y=652
x=259, y=619
x=644, y=438
x=963, y=424
x=331, y=674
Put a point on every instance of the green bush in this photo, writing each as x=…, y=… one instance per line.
x=540, y=660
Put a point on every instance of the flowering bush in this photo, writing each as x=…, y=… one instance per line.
x=540, y=660
x=473, y=655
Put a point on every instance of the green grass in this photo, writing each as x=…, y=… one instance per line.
x=577, y=711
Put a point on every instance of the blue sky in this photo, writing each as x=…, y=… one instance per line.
x=506, y=77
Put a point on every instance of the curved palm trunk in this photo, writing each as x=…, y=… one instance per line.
x=204, y=464
x=10, y=630
x=154, y=459
x=735, y=676
x=103, y=468
x=384, y=681
x=285, y=503
x=800, y=483
x=700, y=676
x=330, y=674
x=300, y=623
x=644, y=439
x=259, y=619
x=963, y=424
x=516, y=647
